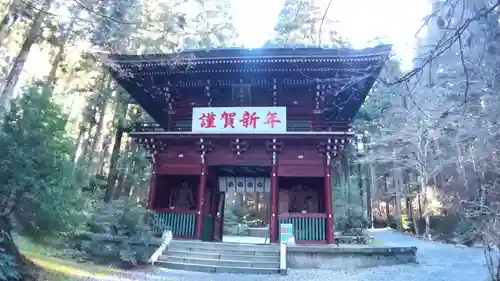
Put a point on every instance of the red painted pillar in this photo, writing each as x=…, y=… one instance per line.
x=273, y=228
x=328, y=201
x=200, y=197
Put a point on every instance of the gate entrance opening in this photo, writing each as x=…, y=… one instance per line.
x=247, y=199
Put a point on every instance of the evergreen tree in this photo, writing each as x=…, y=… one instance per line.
x=35, y=189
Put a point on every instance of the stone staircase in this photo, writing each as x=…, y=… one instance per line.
x=221, y=257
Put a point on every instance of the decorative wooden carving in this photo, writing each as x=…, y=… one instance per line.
x=153, y=146
x=204, y=145
x=275, y=95
x=274, y=146
x=208, y=93
x=322, y=98
x=316, y=97
x=169, y=98
x=239, y=146
x=332, y=147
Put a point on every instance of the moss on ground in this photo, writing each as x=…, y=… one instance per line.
x=50, y=265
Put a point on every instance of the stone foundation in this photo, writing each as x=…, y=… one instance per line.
x=347, y=257
x=351, y=240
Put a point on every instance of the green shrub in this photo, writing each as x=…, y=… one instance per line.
x=10, y=269
x=236, y=220
x=36, y=167
x=37, y=193
x=117, y=233
x=355, y=220
x=119, y=218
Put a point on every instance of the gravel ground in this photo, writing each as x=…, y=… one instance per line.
x=437, y=262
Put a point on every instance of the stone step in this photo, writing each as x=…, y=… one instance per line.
x=217, y=269
x=220, y=262
x=267, y=257
x=224, y=248
x=226, y=251
x=224, y=245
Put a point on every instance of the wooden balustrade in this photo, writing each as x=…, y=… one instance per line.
x=315, y=126
x=292, y=126
x=180, y=222
x=307, y=227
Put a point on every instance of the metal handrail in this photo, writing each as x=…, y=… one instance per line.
x=166, y=238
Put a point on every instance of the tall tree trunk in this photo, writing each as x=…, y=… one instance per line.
x=13, y=76
x=122, y=175
x=79, y=143
x=427, y=219
x=133, y=169
x=386, y=199
x=121, y=109
x=421, y=216
x=369, y=193
x=127, y=177
x=89, y=115
x=479, y=178
x=361, y=186
x=140, y=193
x=105, y=151
x=342, y=188
x=103, y=104
x=58, y=58
x=397, y=191
x=347, y=176
x=85, y=143
x=397, y=196
x=416, y=220
x=131, y=148
x=113, y=172
x=461, y=167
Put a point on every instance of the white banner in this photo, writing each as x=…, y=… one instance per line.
x=259, y=184
x=244, y=184
x=240, y=184
x=239, y=120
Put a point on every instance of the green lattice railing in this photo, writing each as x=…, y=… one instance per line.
x=182, y=223
x=306, y=227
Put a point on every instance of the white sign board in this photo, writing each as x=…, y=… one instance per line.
x=239, y=120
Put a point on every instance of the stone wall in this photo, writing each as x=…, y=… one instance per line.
x=347, y=257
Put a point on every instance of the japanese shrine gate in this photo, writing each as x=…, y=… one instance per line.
x=268, y=120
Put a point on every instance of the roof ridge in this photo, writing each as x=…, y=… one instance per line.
x=238, y=54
